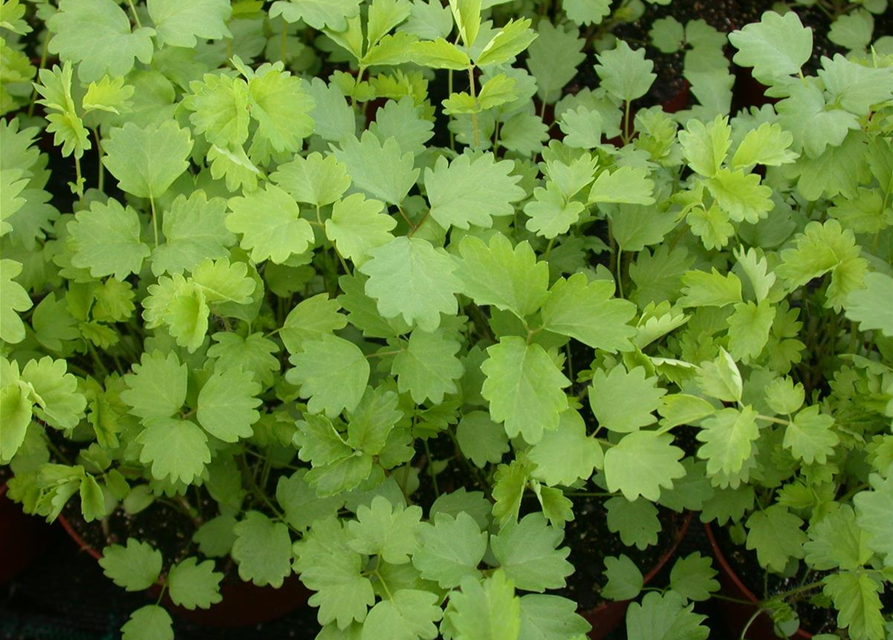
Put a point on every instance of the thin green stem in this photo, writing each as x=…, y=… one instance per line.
x=154, y=220
x=474, y=117
x=626, y=131
x=771, y=419
x=79, y=180
x=100, y=178
x=136, y=17
x=755, y=615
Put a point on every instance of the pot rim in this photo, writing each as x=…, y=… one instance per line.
x=727, y=569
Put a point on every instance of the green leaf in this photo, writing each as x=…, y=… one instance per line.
x=585, y=12
x=177, y=24
x=813, y=124
x=175, y=448
x=468, y=192
x=498, y=274
x=705, y=146
x=855, y=87
x=332, y=372
x=625, y=581
x=56, y=396
x=373, y=420
x=721, y=379
x=134, y=567
x=262, y=550
x=509, y=484
x=567, y=454
x=319, y=14
x=822, y=248
x=809, y=436
x=496, y=91
x=667, y=34
x=776, y=46
x=626, y=185
x=215, y=538
x=187, y=315
x=227, y=406
x=509, y=41
x=642, y=463
x=408, y=277
x=553, y=58
x=157, y=386
x=450, y=550
x=13, y=301
x=702, y=289
x=693, y=577
x=408, y=615
x=545, y=617
x=528, y=553
x=194, y=229
x=867, y=307
x=281, y=107
x=331, y=568
x=625, y=73
x=107, y=240
x=382, y=171
x=150, y=622
x=583, y=129
x=741, y=195
x=853, y=30
x=664, y=617
x=300, y=503
x=147, y=160
x=16, y=404
x=873, y=515
x=550, y=215
x=776, y=535
x=384, y=530
x=440, y=54
x=317, y=180
x=481, y=440
x=96, y=34
x=359, y=225
x=749, y=327
x=586, y=311
x=194, y=585
x=859, y=608
x=837, y=542
x=728, y=439
x=485, y=610
x=428, y=368
x=681, y=408
x=624, y=401
x=253, y=353
x=311, y=319
x=767, y=145
x=220, y=109
x=270, y=225
x=637, y=226
x=524, y=388
x=636, y=521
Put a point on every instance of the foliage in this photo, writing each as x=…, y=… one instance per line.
x=396, y=343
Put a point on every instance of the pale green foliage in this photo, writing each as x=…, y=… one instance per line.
x=147, y=160
x=262, y=550
x=134, y=567
x=528, y=553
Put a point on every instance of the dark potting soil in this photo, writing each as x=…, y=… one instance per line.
x=764, y=584
x=591, y=542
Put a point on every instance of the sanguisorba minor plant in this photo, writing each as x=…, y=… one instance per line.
x=334, y=326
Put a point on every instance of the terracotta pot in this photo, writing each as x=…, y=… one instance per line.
x=22, y=537
x=609, y=615
x=735, y=615
x=243, y=604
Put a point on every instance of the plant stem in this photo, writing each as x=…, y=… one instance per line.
x=474, y=116
x=136, y=17
x=154, y=220
x=430, y=469
x=755, y=615
x=775, y=420
x=100, y=179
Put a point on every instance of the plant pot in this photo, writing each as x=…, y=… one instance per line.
x=609, y=615
x=735, y=615
x=22, y=537
x=244, y=604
